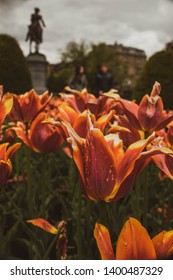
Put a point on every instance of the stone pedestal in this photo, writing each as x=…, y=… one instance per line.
x=37, y=64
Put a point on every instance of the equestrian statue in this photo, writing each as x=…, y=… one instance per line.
x=35, y=30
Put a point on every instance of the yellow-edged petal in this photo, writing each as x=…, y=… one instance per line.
x=163, y=244
x=43, y=224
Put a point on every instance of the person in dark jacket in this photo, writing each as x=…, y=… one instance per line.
x=78, y=81
x=104, y=80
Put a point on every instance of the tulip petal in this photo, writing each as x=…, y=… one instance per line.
x=131, y=111
x=117, y=128
x=22, y=135
x=81, y=125
x=16, y=113
x=140, y=164
x=133, y=136
x=127, y=164
x=3, y=148
x=11, y=150
x=77, y=144
x=103, y=121
x=33, y=104
x=164, y=122
x=131, y=155
x=43, y=136
x=6, y=105
x=150, y=112
x=103, y=240
x=43, y=224
x=116, y=145
x=163, y=244
x=134, y=243
x=165, y=164
x=67, y=113
x=5, y=171
x=100, y=166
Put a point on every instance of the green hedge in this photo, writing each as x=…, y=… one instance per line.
x=158, y=68
x=14, y=73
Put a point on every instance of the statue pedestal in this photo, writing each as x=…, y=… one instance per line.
x=37, y=64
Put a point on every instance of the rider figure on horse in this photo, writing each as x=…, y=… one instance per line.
x=35, y=29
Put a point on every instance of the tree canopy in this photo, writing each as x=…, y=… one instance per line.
x=90, y=57
x=158, y=68
x=14, y=73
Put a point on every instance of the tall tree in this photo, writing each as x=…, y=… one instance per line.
x=75, y=53
x=14, y=73
x=103, y=53
x=158, y=68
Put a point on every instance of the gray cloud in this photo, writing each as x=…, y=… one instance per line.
x=143, y=24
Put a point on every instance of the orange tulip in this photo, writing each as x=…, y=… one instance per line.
x=67, y=113
x=80, y=101
x=41, y=137
x=134, y=243
x=107, y=171
x=169, y=134
x=5, y=162
x=6, y=104
x=149, y=114
x=133, y=135
x=27, y=106
x=163, y=244
x=165, y=164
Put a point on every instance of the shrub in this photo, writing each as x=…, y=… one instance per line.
x=158, y=68
x=14, y=73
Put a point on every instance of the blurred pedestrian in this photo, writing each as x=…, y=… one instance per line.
x=78, y=81
x=104, y=80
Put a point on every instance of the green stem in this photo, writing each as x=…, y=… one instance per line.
x=17, y=167
x=45, y=256
x=29, y=183
x=102, y=212
x=146, y=196
x=43, y=182
x=79, y=232
x=88, y=219
x=137, y=199
x=19, y=218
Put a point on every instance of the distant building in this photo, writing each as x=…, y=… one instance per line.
x=130, y=63
x=131, y=59
x=169, y=46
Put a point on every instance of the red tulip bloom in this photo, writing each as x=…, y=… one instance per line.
x=107, y=171
x=67, y=113
x=5, y=162
x=169, y=135
x=149, y=115
x=41, y=137
x=27, y=106
x=80, y=101
x=6, y=104
x=134, y=243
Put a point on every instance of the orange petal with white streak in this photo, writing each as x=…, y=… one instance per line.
x=100, y=166
x=77, y=144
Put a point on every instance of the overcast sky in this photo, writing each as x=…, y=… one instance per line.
x=145, y=24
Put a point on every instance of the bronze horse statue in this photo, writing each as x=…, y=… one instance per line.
x=35, y=30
